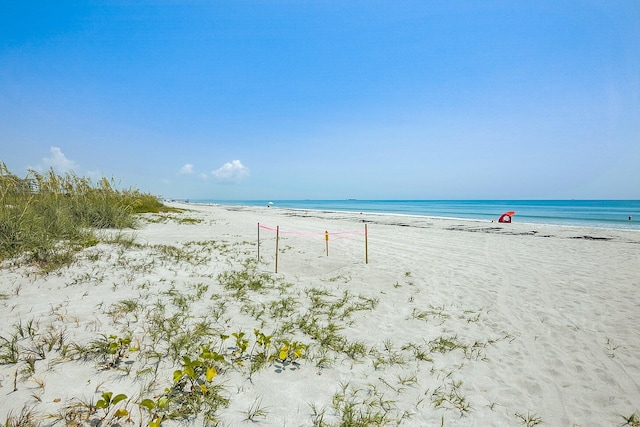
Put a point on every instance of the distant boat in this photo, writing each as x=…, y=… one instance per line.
x=352, y=199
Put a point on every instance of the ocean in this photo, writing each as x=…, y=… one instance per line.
x=584, y=213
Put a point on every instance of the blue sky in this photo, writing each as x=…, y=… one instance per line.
x=327, y=99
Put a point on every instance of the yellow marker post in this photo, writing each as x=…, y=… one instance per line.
x=326, y=239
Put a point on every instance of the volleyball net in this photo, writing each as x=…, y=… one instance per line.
x=326, y=235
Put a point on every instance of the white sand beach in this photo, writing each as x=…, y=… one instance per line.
x=451, y=322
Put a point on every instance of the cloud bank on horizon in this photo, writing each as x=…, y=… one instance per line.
x=328, y=100
x=230, y=172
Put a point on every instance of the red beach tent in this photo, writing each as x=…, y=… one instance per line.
x=506, y=217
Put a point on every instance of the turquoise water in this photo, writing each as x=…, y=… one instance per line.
x=589, y=213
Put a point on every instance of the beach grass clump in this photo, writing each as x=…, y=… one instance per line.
x=9, y=350
x=632, y=420
x=249, y=278
x=357, y=407
x=121, y=311
x=163, y=218
x=110, y=350
x=26, y=418
x=255, y=411
x=450, y=396
x=389, y=356
x=445, y=344
x=528, y=420
x=49, y=217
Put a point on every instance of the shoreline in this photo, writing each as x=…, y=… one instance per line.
x=356, y=214
x=620, y=225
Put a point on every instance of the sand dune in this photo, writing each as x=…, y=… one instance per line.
x=451, y=322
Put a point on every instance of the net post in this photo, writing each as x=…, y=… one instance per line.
x=366, y=245
x=326, y=240
x=277, y=239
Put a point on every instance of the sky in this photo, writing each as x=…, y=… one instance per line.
x=320, y=99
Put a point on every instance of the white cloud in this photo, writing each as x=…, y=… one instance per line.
x=231, y=171
x=187, y=169
x=58, y=161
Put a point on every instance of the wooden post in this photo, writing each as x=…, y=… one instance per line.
x=277, y=238
x=326, y=240
x=258, y=243
x=366, y=245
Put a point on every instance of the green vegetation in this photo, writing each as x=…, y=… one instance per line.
x=632, y=420
x=108, y=402
x=529, y=420
x=48, y=217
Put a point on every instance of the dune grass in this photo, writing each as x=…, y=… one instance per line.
x=48, y=217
